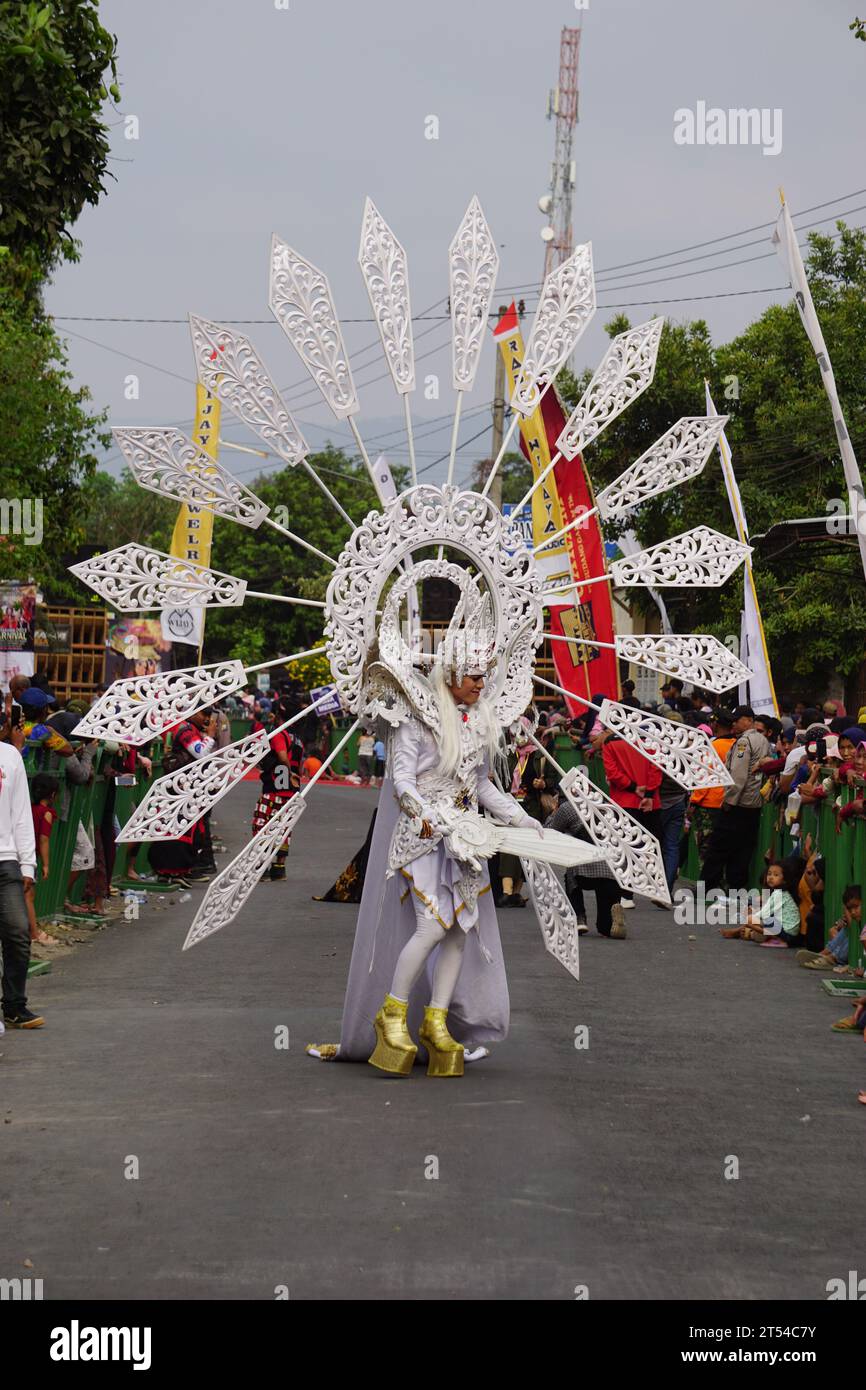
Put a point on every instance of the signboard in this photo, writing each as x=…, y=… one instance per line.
x=17, y=621
x=329, y=706
x=522, y=526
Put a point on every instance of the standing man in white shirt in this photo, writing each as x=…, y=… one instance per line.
x=17, y=870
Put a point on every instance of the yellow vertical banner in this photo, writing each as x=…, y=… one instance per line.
x=546, y=508
x=193, y=531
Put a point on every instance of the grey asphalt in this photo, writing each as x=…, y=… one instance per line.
x=262, y=1171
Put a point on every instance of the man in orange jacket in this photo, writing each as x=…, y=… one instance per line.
x=706, y=803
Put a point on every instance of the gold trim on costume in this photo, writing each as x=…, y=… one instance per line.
x=427, y=903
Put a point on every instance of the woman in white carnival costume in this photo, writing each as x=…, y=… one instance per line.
x=427, y=959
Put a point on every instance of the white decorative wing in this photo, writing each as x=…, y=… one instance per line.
x=695, y=657
x=301, y=301
x=230, y=889
x=135, y=578
x=680, y=454
x=632, y=852
x=700, y=558
x=684, y=753
x=138, y=708
x=625, y=371
x=555, y=914
x=565, y=307
x=229, y=366
x=164, y=460
x=473, y=265
x=179, y=799
x=386, y=274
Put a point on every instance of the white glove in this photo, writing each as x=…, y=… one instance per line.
x=530, y=823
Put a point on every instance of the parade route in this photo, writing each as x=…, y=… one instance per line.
x=262, y=1173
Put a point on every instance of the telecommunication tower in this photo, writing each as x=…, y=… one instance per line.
x=558, y=235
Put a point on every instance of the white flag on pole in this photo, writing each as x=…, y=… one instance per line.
x=384, y=479
x=785, y=241
x=753, y=646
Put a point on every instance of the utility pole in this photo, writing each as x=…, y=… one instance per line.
x=498, y=418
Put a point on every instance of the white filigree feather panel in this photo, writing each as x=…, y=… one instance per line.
x=684, y=753
x=176, y=801
x=231, y=369
x=701, y=558
x=138, y=708
x=165, y=461
x=301, y=301
x=555, y=914
x=230, y=889
x=386, y=274
x=679, y=455
x=695, y=657
x=632, y=852
x=565, y=307
x=135, y=578
x=625, y=371
x=473, y=265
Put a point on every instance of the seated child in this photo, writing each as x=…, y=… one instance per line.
x=777, y=922
x=836, y=951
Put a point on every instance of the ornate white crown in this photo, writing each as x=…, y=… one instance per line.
x=469, y=646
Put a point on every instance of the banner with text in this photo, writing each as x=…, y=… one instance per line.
x=566, y=493
x=193, y=530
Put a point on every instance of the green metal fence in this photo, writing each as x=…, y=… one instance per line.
x=844, y=852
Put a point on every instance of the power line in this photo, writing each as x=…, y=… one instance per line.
x=760, y=226
x=758, y=241
x=533, y=285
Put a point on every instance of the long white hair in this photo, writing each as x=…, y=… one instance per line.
x=449, y=725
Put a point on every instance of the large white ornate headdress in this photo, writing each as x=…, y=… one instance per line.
x=469, y=646
x=370, y=612
x=377, y=660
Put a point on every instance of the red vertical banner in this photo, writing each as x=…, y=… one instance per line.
x=566, y=493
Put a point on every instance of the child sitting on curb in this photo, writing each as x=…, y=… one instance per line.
x=835, y=953
x=777, y=922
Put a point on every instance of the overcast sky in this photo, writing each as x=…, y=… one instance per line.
x=254, y=119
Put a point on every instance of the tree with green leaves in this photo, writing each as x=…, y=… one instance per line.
x=50, y=442
x=54, y=62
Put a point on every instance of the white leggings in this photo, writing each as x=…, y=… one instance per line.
x=413, y=958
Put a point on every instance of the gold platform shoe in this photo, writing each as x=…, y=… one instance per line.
x=394, y=1051
x=445, y=1055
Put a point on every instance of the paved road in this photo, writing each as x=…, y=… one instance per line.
x=557, y=1167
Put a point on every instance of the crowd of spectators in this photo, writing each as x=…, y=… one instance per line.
x=811, y=754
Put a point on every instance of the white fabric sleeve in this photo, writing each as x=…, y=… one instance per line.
x=405, y=747
x=21, y=817
x=504, y=808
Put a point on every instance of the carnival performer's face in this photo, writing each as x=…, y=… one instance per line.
x=469, y=690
